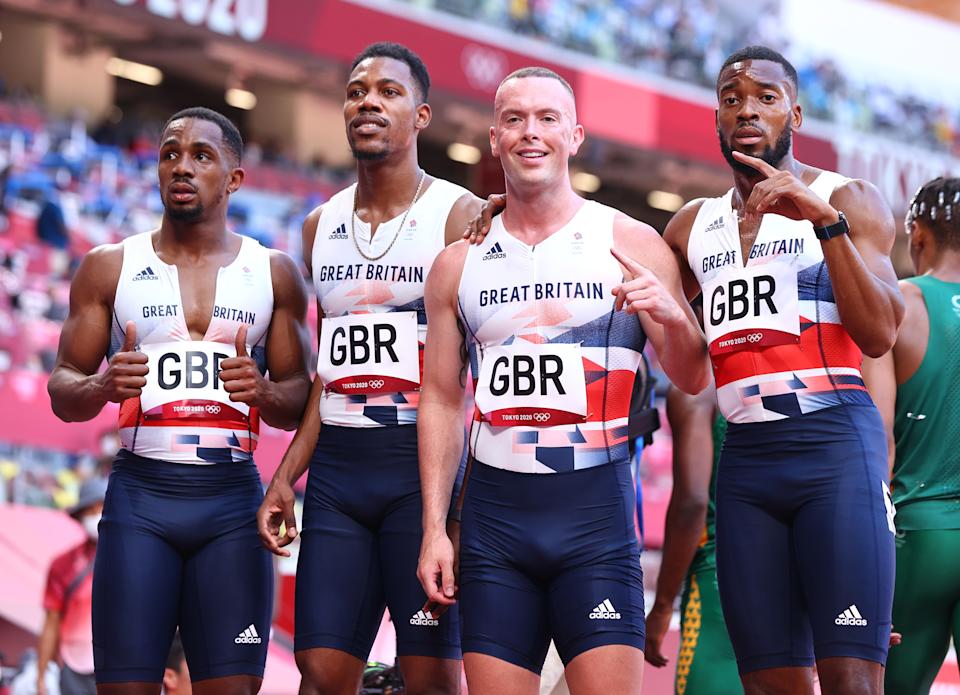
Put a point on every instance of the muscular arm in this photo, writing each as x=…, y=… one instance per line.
x=885, y=373
x=440, y=423
x=691, y=420
x=864, y=283
x=677, y=236
x=466, y=208
x=77, y=392
x=287, y=346
x=679, y=342
x=440, y=414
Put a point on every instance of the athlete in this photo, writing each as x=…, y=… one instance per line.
x=793, y=264
x=913, y=387
x=191, y=316
x=545, y=306
x=706, y=663
x=369, y=249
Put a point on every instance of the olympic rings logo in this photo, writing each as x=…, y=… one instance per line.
x=376, y=383
x=755, y=337
x=213, y=409
x=541, y=417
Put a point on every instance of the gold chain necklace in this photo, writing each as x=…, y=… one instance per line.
x=353, y=232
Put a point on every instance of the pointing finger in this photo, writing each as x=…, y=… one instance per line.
x=757, y=163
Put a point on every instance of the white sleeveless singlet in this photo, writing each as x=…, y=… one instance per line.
x=184, y=415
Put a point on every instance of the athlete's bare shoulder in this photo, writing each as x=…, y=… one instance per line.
x=464, y=209
x=308, y=232
x=99, y=272
x=677, y=231
x=641, y=242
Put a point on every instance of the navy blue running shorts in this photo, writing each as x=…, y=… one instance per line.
x=805, y=538
x=549, y=556
x=178, y=545
x=360, y=545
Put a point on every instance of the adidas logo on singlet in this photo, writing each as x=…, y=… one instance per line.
x=421, y=618
x=248, y=636
x=851, y=616
x=146, y=274
x=605, y=611
x=494, y=252
x=715, y=225
x=339, y=233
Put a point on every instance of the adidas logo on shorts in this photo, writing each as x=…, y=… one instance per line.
x=851, y=616
x=425, y=619
x=605, y=611
x=248, y=636
x=496, y=251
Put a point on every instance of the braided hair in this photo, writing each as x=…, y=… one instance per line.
x=936, y=205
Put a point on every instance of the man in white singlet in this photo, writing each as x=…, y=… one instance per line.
x=192, y=317
x=793, y=263
x=369, y=249
x=554, y=311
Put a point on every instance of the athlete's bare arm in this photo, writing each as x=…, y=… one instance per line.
x=864, y=283
x=440, y=422
x=278, y=501
x=463, y=211
x=653, y=291
x=691, y=420
x=883, y=374
x=77, y=391
x=677, y=237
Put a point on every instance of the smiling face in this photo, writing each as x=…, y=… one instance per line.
x=757, y=112
x=196, y=169
x=535, y=131
x=382, y=110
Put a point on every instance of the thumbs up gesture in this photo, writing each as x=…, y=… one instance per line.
x=240, y=376
x=126, y=372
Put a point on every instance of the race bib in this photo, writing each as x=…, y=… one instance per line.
x=533, y=385
x=184, y=382
x=370, y=353
x=752, y=307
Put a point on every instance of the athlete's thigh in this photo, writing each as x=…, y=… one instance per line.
x=488, y=675
x=844, y=543
x=611, y=668
x=136, y=591
x=418, y=634
x=757, y=577
x=226, y=606
x=706, y=664
x=339, y=594
x=924, y=604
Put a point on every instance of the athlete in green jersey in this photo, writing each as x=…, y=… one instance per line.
x=915, y=387
x=706, y=664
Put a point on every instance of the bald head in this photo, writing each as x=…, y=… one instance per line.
x=541, y=81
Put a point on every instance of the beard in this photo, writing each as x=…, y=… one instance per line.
x=367, y=156
x=772, y=155
x=184, y=214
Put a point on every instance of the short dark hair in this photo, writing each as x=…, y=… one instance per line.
x=761, y=53
x=231, y=136
x=176, y=656
x=936, y=205
x=389, y=49
x=537, y=71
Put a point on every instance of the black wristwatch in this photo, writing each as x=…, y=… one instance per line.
x=839, y=227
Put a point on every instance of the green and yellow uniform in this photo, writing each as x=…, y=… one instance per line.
x=926, y=494
x=706, y=664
